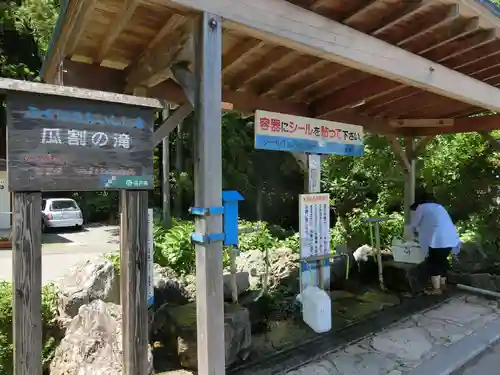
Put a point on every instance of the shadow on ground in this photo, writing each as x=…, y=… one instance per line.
x=56, y=236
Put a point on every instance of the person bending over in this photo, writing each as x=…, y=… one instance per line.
x=437, y=236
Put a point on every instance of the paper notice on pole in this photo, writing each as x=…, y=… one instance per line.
x=314, y=228
x=151, y=289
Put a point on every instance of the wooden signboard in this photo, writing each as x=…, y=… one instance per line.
x=59, y=143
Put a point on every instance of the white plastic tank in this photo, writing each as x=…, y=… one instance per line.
x=316, y=309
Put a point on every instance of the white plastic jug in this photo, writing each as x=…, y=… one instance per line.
x=317, y=309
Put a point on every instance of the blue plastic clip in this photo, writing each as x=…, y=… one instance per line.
x=206, y=211
x=203, y=239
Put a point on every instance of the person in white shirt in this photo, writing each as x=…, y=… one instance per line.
x=437, y=236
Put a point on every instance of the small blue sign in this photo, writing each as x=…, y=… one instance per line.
x=84, y=118
x=230, y=200
x=280, y=143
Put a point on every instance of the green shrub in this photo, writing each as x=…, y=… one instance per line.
x=49, y=328
x=359, y=232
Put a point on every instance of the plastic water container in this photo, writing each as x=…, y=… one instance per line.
x=407, y=252
x=316, y=309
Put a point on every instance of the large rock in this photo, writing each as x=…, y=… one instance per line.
x=283, y=268
x=242, y=284
x=175, y=326
x=169, y=288
x=86, y=282
x=187, y=284
x=93, y=343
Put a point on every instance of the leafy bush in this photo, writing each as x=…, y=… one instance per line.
x=173, y=248
x=49, y=328
x=359, y=232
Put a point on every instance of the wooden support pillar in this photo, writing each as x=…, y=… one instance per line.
x=407, y=158
x=27, y=270
x=178, y=167
x=410, y=172
x=165, y=186
x=133, y=281
x=208, y=193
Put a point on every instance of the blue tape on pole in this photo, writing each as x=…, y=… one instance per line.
x=201, y=239
x=151, y=301
x=206, y=211
x=306, y=266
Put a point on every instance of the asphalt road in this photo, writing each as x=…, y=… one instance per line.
x=64, y=248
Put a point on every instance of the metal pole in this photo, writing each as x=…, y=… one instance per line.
x=478, y=290
x=208, y=193
x=379, y=256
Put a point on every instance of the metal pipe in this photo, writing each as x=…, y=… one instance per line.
x=478, y=290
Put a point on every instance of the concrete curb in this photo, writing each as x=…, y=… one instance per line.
x=457, y=355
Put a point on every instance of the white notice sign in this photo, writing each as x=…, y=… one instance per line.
x=314, y=225
x=314, y=228
x=151, y=288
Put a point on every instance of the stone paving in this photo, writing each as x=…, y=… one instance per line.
x=407, y=344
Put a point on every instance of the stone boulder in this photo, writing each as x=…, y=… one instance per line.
x=187, y=284
x=93, y=343
x=85, y=282
x=283, y=268
x=175, y=327
x=242, y=284
x=169, y=288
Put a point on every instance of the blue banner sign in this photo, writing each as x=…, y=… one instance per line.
x=83, y=118
x=281, y=132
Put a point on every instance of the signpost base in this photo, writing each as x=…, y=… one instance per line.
x=133, y=281
x=27, y=268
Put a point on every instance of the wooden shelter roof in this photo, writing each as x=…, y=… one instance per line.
x=378, y=63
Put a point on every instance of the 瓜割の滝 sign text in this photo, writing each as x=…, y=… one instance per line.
x=61, y=144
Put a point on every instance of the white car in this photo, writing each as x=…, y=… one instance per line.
x=61, y=213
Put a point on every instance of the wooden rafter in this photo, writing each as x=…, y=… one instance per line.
x=154, y=65
x=334, y=41
x=81, y=22
x=260, y=67
x=240, y=52
x=338, y=101
x=121, y=21
x=452, y=15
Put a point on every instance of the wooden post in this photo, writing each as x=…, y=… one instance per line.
x=27, y=269
x=165, y=187
x=208, y=193
x=409, y=178
x=178, y=168
x=133, y=281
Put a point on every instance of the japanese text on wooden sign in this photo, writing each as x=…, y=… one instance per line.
x=60, y=144
x=281, y=132
x=314, y=225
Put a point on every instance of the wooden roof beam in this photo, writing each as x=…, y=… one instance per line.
x=461, y=125
x=240, y=52
x=80, y=24
x=120, y=22
x=338, y=100
x=413, y=8
x=154, y=65
x=470, y=27
x=365, y=98
x=262, y=65
x=452, y=15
